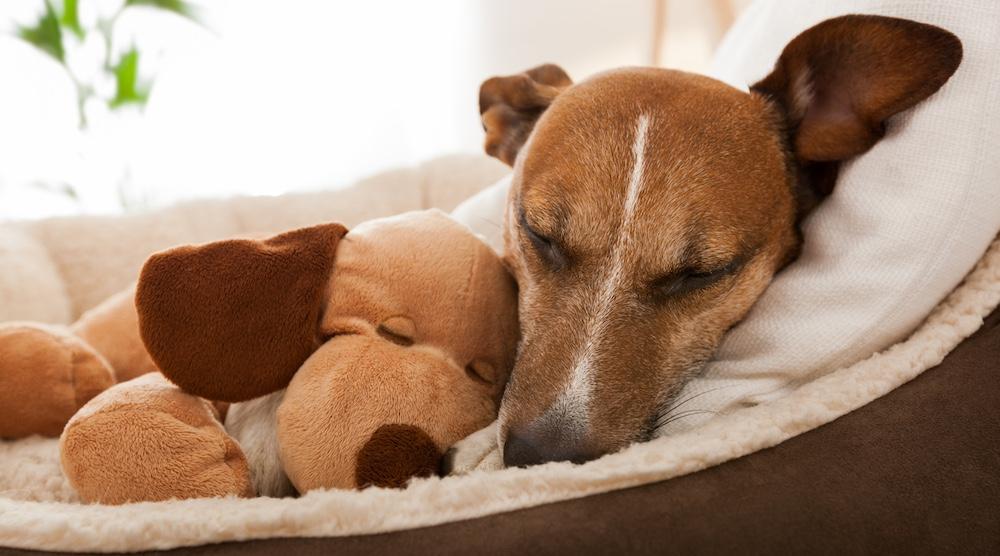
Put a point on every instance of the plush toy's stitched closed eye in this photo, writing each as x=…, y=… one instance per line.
x=234, y=320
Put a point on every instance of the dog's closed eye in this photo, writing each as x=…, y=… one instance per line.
x=691, y=279
x=547, y=249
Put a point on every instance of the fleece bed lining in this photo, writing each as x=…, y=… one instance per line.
x=42, y=515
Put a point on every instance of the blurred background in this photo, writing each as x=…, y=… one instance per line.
x=111, y=106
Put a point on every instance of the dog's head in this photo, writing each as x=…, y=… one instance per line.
x=650, y=208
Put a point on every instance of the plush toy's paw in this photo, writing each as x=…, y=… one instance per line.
x=46, y=375
x=477, y=452
x=147, y=440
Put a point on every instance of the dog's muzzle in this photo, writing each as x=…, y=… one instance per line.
x=546, y=439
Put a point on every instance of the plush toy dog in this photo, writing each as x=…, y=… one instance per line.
x=350, y=360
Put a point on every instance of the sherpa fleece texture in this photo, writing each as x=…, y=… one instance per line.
x=38, y=511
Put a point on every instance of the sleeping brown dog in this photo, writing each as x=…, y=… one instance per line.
x=650, y=208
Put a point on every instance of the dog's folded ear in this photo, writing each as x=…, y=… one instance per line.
x=233, y=320
x=511, y=105
x=839, y=81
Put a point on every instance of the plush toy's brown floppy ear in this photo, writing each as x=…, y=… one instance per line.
x=511, y=105
x=839, y=81
x=234, y=320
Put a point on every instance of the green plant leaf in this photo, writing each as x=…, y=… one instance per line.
x=45, y=34
x=179, y=7
x=128, y=89
x=59, y=188
x=71, y=18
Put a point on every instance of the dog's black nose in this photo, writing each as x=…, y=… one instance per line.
x=540, y=443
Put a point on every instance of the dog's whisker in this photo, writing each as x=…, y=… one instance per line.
x=676, y=418
x=689, y=412
x=670, y=411
x=699, y=394
x=669, y=418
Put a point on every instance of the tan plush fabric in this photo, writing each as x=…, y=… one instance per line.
x=415, y=320
x=396, y=378
x=185, y=450
x=47, y=372
x=46, y=375
x=423, y=319
x=112, y=329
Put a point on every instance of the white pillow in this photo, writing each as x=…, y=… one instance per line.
x=906, y=221
x=483, y=213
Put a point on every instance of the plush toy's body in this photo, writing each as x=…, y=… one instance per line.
x=349, y=360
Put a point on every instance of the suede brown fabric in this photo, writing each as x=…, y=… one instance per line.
x=234, y=320
x=915, y=472
x=394, y=455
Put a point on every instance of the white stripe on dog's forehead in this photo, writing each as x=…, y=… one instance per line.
x=575, y=400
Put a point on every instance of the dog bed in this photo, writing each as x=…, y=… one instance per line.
x=39, y=511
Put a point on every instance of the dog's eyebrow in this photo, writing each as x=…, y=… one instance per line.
x=522, y=219
x=544, y=220
x=694, y=258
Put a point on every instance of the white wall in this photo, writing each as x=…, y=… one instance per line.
x=279, y=95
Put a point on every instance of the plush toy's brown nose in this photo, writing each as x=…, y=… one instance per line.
x=395, y=454
x=545, y=440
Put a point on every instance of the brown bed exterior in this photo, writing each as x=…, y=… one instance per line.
x=916, y=472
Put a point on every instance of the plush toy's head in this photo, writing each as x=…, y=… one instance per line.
x=394, y=340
